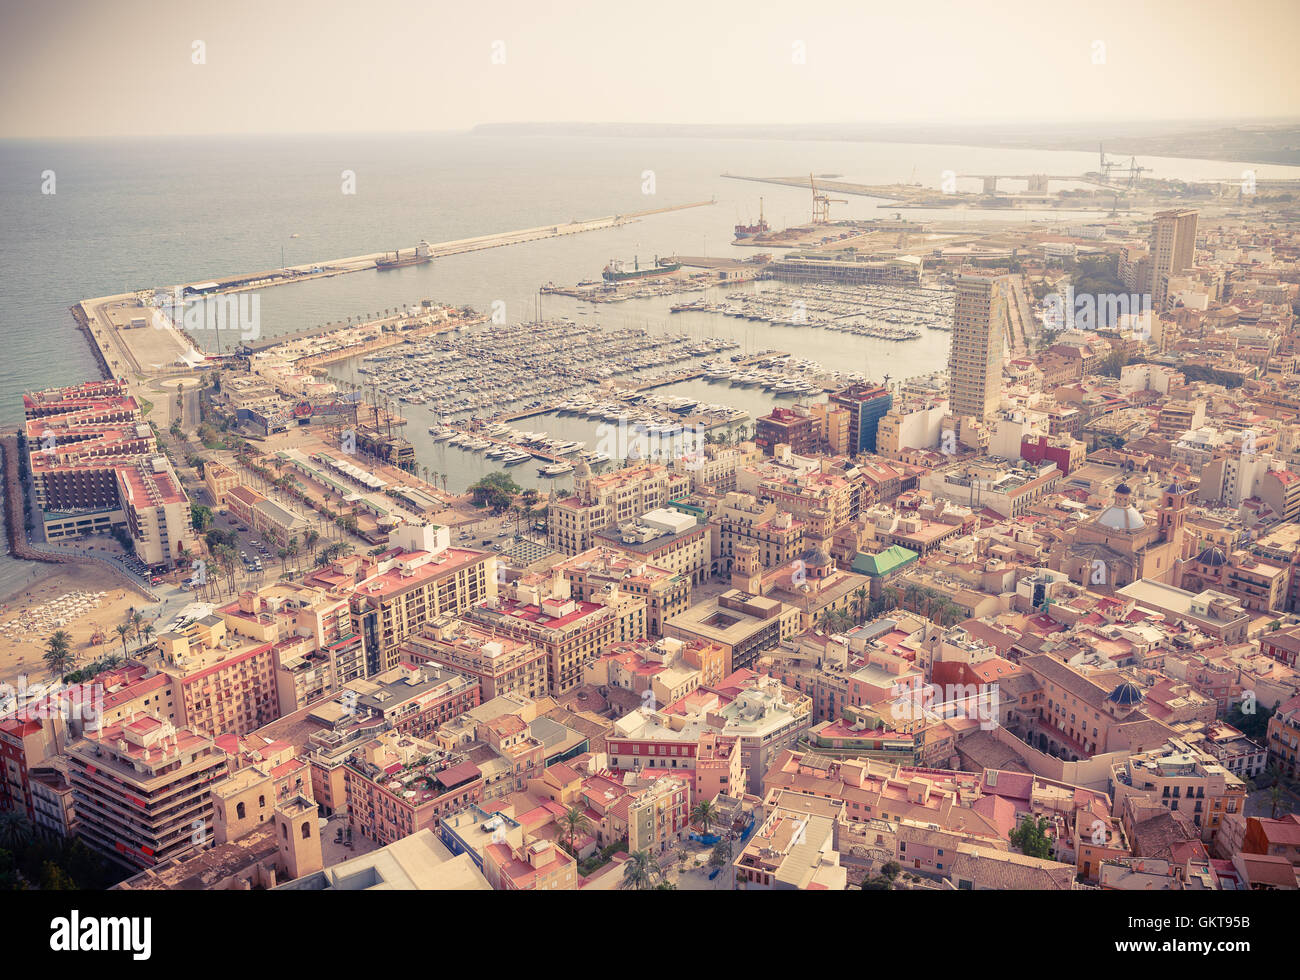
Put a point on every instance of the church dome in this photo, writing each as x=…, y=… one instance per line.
x=1119, y=518
x=1213, y=557
x=1123, y=490
x=1125, y=694
x=816, y=558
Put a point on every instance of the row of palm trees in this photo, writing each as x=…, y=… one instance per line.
x=927, y=602
x=918, y=599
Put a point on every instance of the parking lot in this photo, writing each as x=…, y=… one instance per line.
x=500, y=535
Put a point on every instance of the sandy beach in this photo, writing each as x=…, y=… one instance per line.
x=22, y=652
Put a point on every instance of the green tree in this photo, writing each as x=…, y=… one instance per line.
x=200, y=517
x=496, y=491
x=1030, y=837
x=1252, y=724
x=55, y=879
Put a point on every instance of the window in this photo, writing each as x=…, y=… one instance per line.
x=239, y=810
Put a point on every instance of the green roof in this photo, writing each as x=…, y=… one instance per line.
x=884, y=562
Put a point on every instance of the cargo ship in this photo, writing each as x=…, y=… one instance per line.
x=749, y=231
x=617, y=270
x=422, y=253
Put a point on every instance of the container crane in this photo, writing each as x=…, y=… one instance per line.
x=821, y=209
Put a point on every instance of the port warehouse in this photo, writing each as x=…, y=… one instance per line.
x=843, y=267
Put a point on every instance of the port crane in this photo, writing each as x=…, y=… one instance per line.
x=1135, y=170
x=821, y=209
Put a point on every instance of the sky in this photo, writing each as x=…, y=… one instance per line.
x=112, y=68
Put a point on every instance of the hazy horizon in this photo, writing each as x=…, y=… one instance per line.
x=133, y=69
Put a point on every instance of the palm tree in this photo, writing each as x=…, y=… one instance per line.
x=137, y=620
x=912, y=595
x=15, y=831
x=827, y=621
x=122, y=630
x=640, y=871
x=147, y=631
x=861, y=603
x=1275, y=799
x=574, y=822
x=58, y=655
x=704, y=814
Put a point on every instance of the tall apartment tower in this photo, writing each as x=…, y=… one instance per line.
x=979, y=327
x=866, y=405
x=1172, y=251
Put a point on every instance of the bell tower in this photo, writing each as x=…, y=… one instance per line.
x=747, y=569
x=1172, y=512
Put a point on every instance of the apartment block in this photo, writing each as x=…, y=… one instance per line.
x=501, y=665
x=142, y=790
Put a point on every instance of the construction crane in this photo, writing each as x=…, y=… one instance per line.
x=821, y=210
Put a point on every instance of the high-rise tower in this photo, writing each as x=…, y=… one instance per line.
x=979, y=326
x=1172, y=249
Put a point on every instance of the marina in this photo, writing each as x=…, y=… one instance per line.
x=877, y=311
